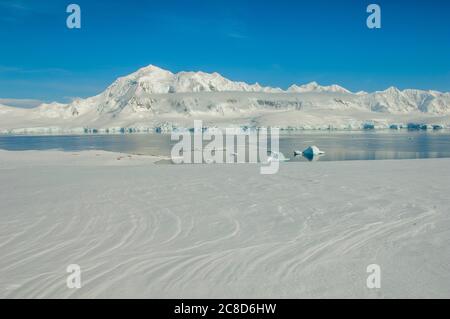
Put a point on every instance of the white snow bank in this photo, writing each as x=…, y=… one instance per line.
x=222, y=231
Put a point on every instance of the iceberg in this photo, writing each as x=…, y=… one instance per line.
x=310, y=153
x=310, y=150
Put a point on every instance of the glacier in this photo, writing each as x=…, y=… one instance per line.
x=156, y=100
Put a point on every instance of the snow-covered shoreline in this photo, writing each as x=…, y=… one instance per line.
x=202, y=231
x=149, y=130
x=288, y=120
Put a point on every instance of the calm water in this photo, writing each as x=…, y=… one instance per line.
x=339, y=146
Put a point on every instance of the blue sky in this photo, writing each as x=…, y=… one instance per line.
x=276, y=43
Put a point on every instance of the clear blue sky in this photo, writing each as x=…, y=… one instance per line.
x=274, y=42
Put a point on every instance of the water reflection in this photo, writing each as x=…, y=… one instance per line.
x=339, y=146
x=311, y=157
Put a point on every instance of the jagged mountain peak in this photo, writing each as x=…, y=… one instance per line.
x=316, y=87
x=154, y=80
x=392, y=90
x=312, y=84
x=151, y=69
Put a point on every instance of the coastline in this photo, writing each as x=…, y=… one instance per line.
x=413, y=127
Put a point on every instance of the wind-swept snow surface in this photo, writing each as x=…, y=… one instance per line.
x=153, y=98
x=224, y=231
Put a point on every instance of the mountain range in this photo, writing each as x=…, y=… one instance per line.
x=153, y=98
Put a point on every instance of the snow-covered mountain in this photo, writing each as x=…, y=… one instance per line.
x=152, y=95
x=393, y=100
x=154, y=80
x=148, y=88
x=316, y=87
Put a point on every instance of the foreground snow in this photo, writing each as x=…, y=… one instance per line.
x=149, y=230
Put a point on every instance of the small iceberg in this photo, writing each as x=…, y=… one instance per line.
x=276, y=156
x=438, y=127
x=369, y=126
x=395, y=126
x=310, y=152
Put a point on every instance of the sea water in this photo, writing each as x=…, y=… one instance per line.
x=338, y=146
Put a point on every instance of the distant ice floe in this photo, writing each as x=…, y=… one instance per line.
x=276, y=157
